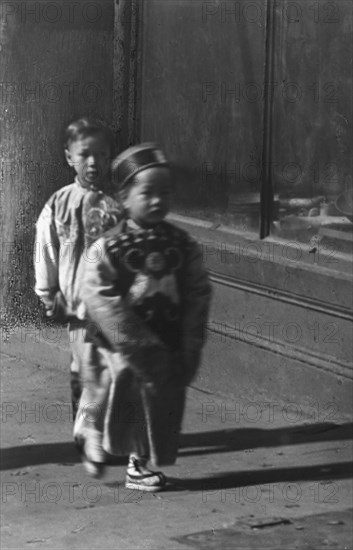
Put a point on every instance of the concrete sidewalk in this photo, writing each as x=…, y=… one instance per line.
x=256, y=474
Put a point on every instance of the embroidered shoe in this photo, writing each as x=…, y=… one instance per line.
x=140, y=478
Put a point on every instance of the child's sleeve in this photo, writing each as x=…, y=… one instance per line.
x=120, y=327
x=46, y=255
x=196, y=302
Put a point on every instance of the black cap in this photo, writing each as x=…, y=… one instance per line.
x=136, y=159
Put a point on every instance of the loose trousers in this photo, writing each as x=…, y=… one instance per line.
x=132, y=415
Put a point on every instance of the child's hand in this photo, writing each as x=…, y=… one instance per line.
x=57, y=311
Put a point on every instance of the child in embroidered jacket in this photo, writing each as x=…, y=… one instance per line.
x=73, y=217
x=149, y=295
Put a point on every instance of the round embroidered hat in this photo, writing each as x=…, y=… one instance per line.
x=136, y=159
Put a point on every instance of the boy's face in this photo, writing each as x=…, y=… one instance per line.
x=90, y=158
x=148, y=198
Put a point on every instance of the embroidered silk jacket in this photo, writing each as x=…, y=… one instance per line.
x=148, y=289
x=70, y=221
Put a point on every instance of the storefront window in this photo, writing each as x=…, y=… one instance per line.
x=311, y=125
x=204, y=98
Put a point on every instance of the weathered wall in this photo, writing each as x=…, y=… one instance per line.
x=56, y=65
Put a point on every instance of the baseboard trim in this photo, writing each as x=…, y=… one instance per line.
x=280, y=295
x=289, y=352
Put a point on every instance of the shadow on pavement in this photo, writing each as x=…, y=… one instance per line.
x=50, y=453
x=224, y=441
x=226, y=480
x=30, y=455
x=218, y=441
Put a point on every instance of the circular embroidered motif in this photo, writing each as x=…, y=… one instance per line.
x=133, y=260
x=155, y=262
x=97, y=220
x=94, y=222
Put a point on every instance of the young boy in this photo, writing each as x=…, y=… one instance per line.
x=70, y=221
x=148, y=293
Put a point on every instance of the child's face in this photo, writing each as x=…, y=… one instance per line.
x=148, y=198
x=90, y=158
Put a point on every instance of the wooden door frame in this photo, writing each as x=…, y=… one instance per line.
x=127, y=56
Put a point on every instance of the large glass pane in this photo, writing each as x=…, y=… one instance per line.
x=312, y=124
x=202, y=100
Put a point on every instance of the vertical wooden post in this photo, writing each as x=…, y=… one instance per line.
x=266, y=183
x=127, y=20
